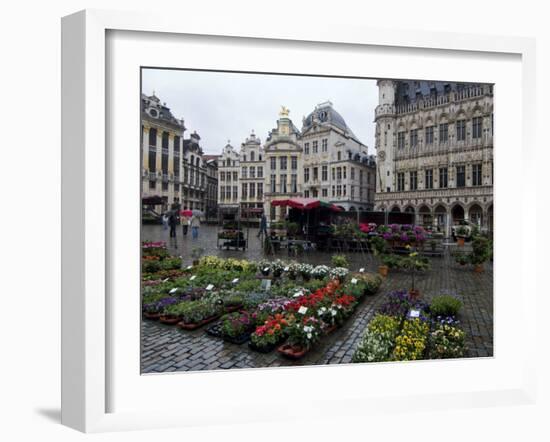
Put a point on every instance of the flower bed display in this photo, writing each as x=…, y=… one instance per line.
x=303, y=303
x=405, y=329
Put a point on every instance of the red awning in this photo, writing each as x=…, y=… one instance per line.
x=305, y=204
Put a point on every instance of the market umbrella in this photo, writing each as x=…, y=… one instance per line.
x=186, y=212
x=197, y=212
x=305, y=204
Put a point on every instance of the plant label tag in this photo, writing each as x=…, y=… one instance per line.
x=192, y=277
x=209, y=287
x=414, y=314
x=266, y=269
x=174, y=290
x=286, y=269
x=266, y=284
x=302, y=310
x=189, y=267
x=164, y=280
x=236, y=280
x=354, y=281
x=361, y=270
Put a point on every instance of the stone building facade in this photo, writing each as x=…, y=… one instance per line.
x=283, y=163
x=228, y=178
x=194, y=174
x=251, y=162
x=434, y=143
x=337, y=166
x=161, y=147
x=211, y=204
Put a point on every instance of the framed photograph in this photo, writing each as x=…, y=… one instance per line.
x=240, y=215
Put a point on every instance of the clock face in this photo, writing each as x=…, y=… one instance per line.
x=382, y=155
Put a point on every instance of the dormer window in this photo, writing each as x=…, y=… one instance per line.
x=153, y=113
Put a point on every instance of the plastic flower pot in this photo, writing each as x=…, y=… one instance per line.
x=383, y=270
x=169, y=319
x=291, y=351
x=460, y=241
x=151, y=316
x=478, y=268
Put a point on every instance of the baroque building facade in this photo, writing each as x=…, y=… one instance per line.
x=194, y=174
x=161, y=153
x=324, y=160
x=337, y=166
x=434, y=143
x=211, y=209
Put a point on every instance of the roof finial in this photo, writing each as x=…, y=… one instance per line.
x=284, y=112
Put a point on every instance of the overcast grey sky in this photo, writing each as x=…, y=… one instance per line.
x=227, y=106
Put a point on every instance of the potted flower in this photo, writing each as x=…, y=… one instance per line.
x=339, y=261
x=302, y=335
x=320, y=272
x=339, y=273
x=480, y=252
x=236, y=327
x=266, y=337
x=305, y=271
x=414, y=263
x=379, y=247
x=461, y=234
x=196, y=254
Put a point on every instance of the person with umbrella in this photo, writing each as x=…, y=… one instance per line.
x=185, y=214
x=263, y=225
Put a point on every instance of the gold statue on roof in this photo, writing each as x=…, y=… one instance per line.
x=284, y=112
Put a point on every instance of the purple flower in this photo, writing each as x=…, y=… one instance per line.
x=404, y=237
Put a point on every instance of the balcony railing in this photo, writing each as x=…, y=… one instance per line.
x=152, y=176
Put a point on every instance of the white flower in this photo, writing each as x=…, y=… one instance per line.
x=309, y=335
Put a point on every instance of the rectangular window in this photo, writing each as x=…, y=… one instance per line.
x=460, y=130
x=260, y=190
x=333, y=173
x=222, y=193
x=476, y=127
x=273, y=163
x=306, y=148
x=401, y=140
x=243, y=174
x=413, y=180
x=315, y=173
x=235, y=193
x=306, y=193
x=294, y=183
x=339, y=173
x=324, y=192
x=476, y=174
x=443, y=178
x=460, y=176
x=273, y=184
x=430, y=135
x=244, y=191
x=333, y=192
x=344, y=190
x=294, y=163
x=306, y=175
x=400, y=182
x=361, y=177
x=222, y=176
x=414, y=137
x=339, y=190
x=345, y=174
x=235, y=176
x=324, y=145
x=429, y=183
x=314, y=146
x=282, y=163
x=260, y=171
x=252, y=190
x=282, y=183
x=152, y=184
x=353, y=173
x=443, y=132
x=352, y=190
x=252, y=172
x=324, y=173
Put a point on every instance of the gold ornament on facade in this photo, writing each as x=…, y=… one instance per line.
x=284, y=112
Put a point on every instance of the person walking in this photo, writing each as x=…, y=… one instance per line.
x=185, y=224
x=164, y=219
x=263, y=226
x=172, y=222
x=195, y=223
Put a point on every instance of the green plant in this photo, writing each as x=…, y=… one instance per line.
x=304, y=333
x=196, y=252
x=461, y=232
x=446, y=341
x=235, y=324
x=481, y=250
x=378, y=245
x=445, y=305
x=414, y=263
x=462, y=258
x=411, y=342
x=392, y=261
x=379, y=339
x=340, y=261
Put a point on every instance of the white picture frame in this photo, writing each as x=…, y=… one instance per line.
x=89, y=230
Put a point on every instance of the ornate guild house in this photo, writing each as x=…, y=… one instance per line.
x=434, y=143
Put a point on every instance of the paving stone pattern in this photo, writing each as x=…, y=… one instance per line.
x=168, y=348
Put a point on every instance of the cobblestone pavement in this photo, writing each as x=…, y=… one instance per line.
x=167, y=348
